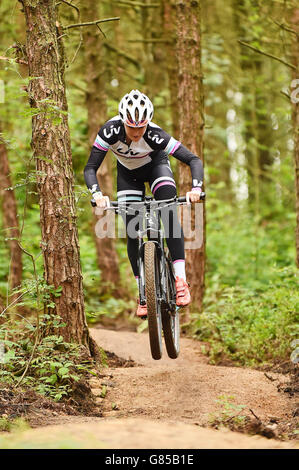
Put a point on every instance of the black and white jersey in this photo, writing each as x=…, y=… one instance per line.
x=137, y=154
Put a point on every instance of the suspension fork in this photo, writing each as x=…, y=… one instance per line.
x=159, y=241
x=140, y=263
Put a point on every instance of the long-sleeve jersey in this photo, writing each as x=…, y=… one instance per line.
x=112, y=136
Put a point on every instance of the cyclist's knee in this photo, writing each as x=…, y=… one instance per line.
x=166, y=190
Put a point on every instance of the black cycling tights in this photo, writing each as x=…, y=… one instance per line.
x=173, y=231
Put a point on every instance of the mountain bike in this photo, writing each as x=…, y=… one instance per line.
x=156, y=275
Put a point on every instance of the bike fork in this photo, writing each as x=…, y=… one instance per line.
x=141, y=280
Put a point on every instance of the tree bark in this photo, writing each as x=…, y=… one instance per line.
x=191, y=122
x=52, y=151
x=10, y=220
x=97, y=114
x=295, y=116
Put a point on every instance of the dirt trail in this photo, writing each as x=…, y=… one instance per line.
x=166, y=403
x=185, y=389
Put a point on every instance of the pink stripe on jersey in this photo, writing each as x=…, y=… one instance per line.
x=175, y=148
x=170, y=183
x=99, y=146
x=179, y=261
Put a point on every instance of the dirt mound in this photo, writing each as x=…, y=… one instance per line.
x=175, y=404
x=190, y=390
x=134, y=433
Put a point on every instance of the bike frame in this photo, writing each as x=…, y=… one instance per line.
x=152, y=219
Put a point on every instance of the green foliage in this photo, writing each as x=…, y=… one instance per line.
x=51, y=365
x=242, y=250
x=229, y=414
x=251, y=305
x=251, y=325
x=11, y=425
x=110, y=308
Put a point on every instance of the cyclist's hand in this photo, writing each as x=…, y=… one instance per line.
x=194, y=195
x=101, y=201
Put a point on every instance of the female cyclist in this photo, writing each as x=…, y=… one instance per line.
x=142, y=148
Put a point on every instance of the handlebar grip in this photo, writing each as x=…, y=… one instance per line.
x=183, y=198
x=112, y=203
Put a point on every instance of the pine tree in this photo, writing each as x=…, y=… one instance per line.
x=295, y=104
x=191, y=121
x=10, y=219
x=52, y=151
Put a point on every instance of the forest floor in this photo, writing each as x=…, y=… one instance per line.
x=183, y=403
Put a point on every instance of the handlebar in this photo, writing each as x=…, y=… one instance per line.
x=180, y=200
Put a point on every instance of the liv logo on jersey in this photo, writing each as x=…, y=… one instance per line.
x=155, y=137
x=127, y=153
x=115, y=130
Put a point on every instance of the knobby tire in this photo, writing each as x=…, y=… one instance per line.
x=152, y=282
x=171, y=322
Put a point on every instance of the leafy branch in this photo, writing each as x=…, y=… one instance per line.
x=255, y=49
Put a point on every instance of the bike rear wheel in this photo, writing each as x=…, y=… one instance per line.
x=152, y=290
x=171, y=319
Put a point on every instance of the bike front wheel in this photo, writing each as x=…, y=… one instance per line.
x=152, y=290
x=170, y=318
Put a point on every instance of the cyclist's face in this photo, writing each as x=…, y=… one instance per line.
x=135, y=133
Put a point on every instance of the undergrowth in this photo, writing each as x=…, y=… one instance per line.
x=250, y=326
x=46, y=364
x=17, y=424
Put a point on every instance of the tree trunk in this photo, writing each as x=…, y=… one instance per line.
x=10, y=220
x=52, y=151
x=295, y=54
x=191, y=122
x=97, y=114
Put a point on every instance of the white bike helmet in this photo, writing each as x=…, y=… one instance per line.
x=135, y=109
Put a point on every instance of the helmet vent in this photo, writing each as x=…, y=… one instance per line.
x=129, y=116
x=135, y=109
